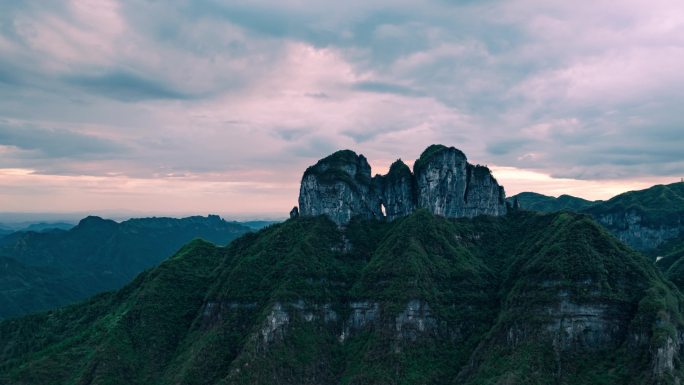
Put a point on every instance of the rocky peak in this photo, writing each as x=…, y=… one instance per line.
x=450, y=186
x=340, y=187
x=442, y=182
x=442, y=178
x=95, y=223
x=397, y=190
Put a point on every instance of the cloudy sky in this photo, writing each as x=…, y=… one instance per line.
x=218, y=106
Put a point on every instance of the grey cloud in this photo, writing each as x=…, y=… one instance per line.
x=316, y=147
x=319, y=26
x=317, y=95
x=291, y=134
x=366, y=132
x=59, y=143
x=126, y=86
x=508, y=146
x=386, y=88
x=270, y=21
x=361, y=135
x=8, y=78
x=347, y=25
x=489, y=61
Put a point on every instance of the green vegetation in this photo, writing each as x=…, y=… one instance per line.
x=480, y=171
x=40, y=271
x=670, y=260
x=487, y=295
x=337, y=159
x=430, y=153
x=398, y=170
x=576, y=263
x=660, y=205
x=538, y=202
x=331, y=169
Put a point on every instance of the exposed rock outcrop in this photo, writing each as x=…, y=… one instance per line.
x=574, y=322
x=294, y=213
x=339, y=186
x=363, y=314
x=397, y=190
x=629, y=228
x=416, y=319
x=449, y=186
x=442, y=181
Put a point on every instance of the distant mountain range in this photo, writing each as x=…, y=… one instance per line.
x=37, y=227
x=549, y=204
x=47, y=269
x=343, y=293
x=645, y=219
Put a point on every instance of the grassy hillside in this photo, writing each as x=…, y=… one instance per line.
x=522, y=299
x=660, y=205
x=538, y=202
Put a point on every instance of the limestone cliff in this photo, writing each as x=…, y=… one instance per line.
x=442, y=181
x=449, y=186
x=339, y=186
x=644, y=219
x=397, y=190
x=628, y=227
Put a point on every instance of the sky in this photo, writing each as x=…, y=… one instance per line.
x=184, y=107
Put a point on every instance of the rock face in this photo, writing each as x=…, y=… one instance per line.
x=397, y=190
x=442, y=181
x=339, y=186
x=449, y=186
x=416, y=319
x=628, y=227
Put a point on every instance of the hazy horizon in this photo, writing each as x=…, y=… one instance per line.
x=23, y=218
x=124, y=214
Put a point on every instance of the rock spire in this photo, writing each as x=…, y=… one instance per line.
x=443, y=182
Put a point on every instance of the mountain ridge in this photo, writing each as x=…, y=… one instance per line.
x=94, y=256
x=545, y=203
x=644, y=219
x=443, y=182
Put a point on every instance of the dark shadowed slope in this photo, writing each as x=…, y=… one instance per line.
x=544, y=203
x=48, y=269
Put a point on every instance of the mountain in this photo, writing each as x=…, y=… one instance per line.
x=43, y=270
x=545, y=203
x=257, y=225
x=644, y=219
x=670, y=259
x=43, y=226
x=24, y=289
x=443, y=182
x=5, y=230
x=521, y=298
